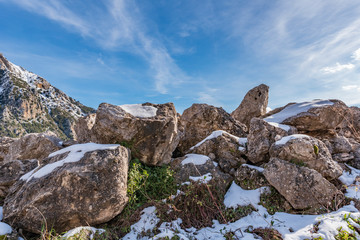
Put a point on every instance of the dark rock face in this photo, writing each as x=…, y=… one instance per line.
x=151, y=139
x=302, y=187
x=85, y=192
x=253, y=105
x=11, y=172
x=200, y=120
x=248, y=177
x=31, y=104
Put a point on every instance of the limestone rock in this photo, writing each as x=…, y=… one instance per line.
x=149, y=130
x=185, y=167
x=250, y=177
x=340, y=144
x=307, y=151
x=261, y=136
x=301, y=186
x=83, y=185
x=200, y=120
x=317, y=115
x=10, y=172
x=253, y=105
x=33, y=146
x=226, y=150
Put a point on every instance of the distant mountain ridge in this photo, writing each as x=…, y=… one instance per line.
x=29, y=103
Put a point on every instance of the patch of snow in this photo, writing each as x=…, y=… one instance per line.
x=196, y=159
x=213, y=135
x=278, y=125
x=243, y=141
x=147, y=222
x=138, y=110
x=76, y=152
x=1, y=213
x=268, y=109
x=348, y=178
x=295, y=109
x=285, y=139
x=242, y=149
x=353, y=191
x=77, y=230
x=236, y=196
x=215, y=164
x=185, y=183
x=203, y=179
x=260, y=169
x=5, y=229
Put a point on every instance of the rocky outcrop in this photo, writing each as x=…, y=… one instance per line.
x=302, y=187
x=253, y=105
x=306, y=151
x=12, y=171
x=200, y=120
x=317, y=115
x=81, y=185
x=261, y=136
x=33, y=146
x=30, y=104
x=149, y=130
x=223, y=148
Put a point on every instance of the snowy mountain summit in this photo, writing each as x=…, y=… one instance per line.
x=29, y=103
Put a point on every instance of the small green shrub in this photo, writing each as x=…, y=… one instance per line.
x=273, y=201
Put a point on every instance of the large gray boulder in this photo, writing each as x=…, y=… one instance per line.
x=149, y=130
x=302, y=187
x=316, y=115
x=261, y=136
x=307, y=151
x=33, y=146
x=83, y=127
x=253, y=105
x=80, y=185
x=200, y=120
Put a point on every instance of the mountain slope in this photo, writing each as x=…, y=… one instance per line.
x=28, y=103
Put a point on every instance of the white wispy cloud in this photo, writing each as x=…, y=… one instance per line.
x=356, y=55
x=351, y=87
x=118, y=26
x=337, y=68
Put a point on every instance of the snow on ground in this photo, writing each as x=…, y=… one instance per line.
x=196, y=159
x=4, y=228
x=147, y=222
x=76, y=152
x=236, y=196
x=260, y=169
x=285, y=139
x=138, y=110
x=203, y=179
x=295, y=109
x=1, y=213
x=78, y=230
x=349, y=179
x=278, y=125
x=218, y=133
x=291, y=226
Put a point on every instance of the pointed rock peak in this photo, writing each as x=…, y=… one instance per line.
x=4, y=63
x=253, y=105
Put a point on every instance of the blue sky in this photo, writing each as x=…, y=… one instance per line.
x=124, y=52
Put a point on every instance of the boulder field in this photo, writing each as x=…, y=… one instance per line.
x=306, y=152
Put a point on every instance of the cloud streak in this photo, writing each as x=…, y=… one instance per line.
x=117, y=26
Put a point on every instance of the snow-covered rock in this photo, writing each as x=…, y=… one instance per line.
x=80, y=185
